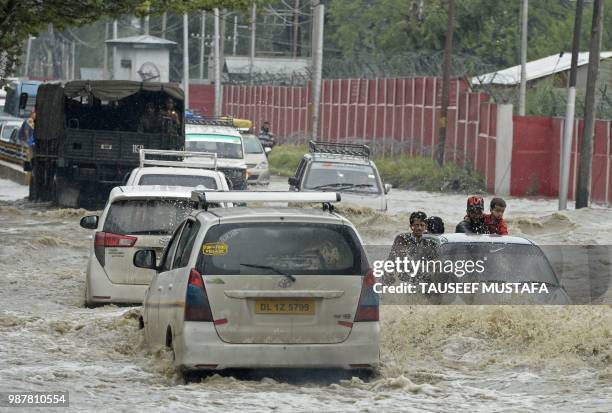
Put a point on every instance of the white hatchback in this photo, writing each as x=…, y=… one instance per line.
x=134, y=218
x=263, y=288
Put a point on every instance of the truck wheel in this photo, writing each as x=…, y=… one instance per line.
x=66, y=195
x=35, y=181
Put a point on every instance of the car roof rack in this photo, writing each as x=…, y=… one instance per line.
x=183, y=159
x=335, y=148
x=211, y=120
x=205, y=198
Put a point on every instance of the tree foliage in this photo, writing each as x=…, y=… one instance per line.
x=22, y=18
x=488, y=29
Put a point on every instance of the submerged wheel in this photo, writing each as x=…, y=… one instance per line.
x=66, y=195
x=35, y=181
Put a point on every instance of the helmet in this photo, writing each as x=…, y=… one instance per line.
x=475, y=202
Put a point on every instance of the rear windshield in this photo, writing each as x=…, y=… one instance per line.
x=293, y=248
x=179, y=180
x=146, y=216
x=503, y=262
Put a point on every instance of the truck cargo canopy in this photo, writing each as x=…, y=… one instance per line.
x=119, y=89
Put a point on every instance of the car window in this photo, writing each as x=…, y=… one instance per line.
x=208, y=182
x=224, y=146
x=296, y=248
x=355, y=177
x=146, y=216
x=185, y=244
x=166, y=262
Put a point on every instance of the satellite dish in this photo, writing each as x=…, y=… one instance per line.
x=148, y=71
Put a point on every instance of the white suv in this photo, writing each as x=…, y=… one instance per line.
x=134, y=218
x=263, y=288
x=219, y=136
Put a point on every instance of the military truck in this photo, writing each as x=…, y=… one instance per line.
x=88, y=135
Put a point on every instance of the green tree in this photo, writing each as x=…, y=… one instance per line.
x=488, y=30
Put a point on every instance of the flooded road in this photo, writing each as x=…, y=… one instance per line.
x=438, y=359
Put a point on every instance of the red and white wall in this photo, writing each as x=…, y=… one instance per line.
x=516, y=155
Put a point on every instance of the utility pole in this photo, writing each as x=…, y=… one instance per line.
x=235, y=35
x=583, y=190
x=568, y=126
x=73, y=54
x=186, y=58
x=202, y=40
x=114, y=49
x=164, y=25
x=105, y=69
x=523, y=87
x=296, y=27
x=446, y=69
x=146, y=22
x=252, y=51
x=317, y=63
x=26, y=65
x=217, y=61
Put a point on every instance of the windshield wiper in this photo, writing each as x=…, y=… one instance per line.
x=328, y=186
x=342, y=186
x=268, y=267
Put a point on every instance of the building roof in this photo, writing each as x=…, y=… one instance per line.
x=269, y=65
x=535, y=69
x=143, y=40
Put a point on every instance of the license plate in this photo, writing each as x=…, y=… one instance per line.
x=296, y=307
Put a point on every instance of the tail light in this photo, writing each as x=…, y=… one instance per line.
x=197, y=306
x=104, y=240
x=367, y=309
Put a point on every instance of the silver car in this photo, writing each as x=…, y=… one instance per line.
x=257, y=161
x=344, y=168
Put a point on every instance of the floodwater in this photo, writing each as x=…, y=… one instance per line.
x=437, y=359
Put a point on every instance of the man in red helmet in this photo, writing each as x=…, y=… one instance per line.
x=473, y=222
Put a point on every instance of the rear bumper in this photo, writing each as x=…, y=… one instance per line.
x=200, y=347
x=100, y=290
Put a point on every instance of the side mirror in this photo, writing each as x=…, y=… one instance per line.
x=89, y=222
x=23, y=100
x=145, y=259
x=388, y=188
x=293, y=181
x=267, y=150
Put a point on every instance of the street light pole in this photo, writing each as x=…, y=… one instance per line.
x=252, y=51
x=217, y=46
x=27, y=59
x=202, y=40
x=317, y=64
x=186, y=58
x=523, y=86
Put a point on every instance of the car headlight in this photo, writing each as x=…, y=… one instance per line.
x=262, y=165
